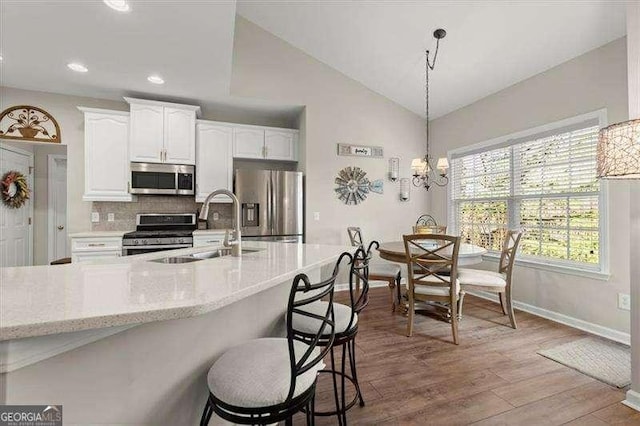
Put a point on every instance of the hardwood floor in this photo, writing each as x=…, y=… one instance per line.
x=494, y=377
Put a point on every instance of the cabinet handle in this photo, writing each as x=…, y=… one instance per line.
x=128, y=187
x=96, y=244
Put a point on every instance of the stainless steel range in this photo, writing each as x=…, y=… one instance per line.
x=157, y=232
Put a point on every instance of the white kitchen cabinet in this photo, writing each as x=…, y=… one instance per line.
x=84, y=249
x=147, y=133
x=209, y=238
x=214, y=165
x=162, y=132
x=248, y=142
x=106, y=156
x=264, y=143
x=280, y=145
x=179, y=136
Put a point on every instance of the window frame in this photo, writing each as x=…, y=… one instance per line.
x=598, y=271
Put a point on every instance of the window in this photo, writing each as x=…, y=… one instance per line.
x=543, y=182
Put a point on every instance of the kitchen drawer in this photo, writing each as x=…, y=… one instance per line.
x=208, y=240
x=96, y=244
x=88, y=256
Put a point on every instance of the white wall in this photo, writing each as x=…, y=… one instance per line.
x=64, y=109
x=338, y=109
x=633, y=57
x=590, y=82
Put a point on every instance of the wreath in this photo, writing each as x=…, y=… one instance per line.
x=15, y=189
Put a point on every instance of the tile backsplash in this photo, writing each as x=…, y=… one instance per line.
x=125, y=213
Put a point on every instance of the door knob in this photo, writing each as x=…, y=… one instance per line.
x=60, y=227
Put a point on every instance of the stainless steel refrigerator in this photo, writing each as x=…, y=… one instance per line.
x=271, y=202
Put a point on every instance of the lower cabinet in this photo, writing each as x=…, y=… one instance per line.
x=86, y=249
x=208, y=239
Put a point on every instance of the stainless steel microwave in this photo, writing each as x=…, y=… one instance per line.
x=162, y=179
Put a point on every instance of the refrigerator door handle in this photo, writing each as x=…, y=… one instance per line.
x=274, y=204
x=270, y=200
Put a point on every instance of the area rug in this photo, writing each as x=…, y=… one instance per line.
x=601, y=359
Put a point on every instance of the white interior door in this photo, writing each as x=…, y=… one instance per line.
x=57, y=223
x=16, y=238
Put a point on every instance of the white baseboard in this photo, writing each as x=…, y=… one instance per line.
x=608, y=333
x=633, y=400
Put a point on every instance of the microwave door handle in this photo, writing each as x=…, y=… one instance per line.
x=176, y=184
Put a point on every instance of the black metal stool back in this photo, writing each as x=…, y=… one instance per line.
x=326, y=322
x=359, y=273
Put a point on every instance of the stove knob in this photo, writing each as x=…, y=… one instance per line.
x=144, y=242
x=157, y=241
x=180, y=240
x=136, y=242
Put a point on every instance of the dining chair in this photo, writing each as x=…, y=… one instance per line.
x=495, y=282
x=430, y=229
x=379, y=270
x=432, y=264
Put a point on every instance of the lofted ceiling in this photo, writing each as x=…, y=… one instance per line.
x=489, y=46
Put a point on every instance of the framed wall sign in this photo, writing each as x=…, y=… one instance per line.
x=360, y=150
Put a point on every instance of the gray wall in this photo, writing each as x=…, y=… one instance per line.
x=338, y=110
x=595, y=80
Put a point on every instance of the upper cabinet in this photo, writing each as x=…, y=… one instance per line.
x=214, y=168
x=265, y=144
x=281, y=144
x=248, y=142
x=162, y=132
x=106, y=156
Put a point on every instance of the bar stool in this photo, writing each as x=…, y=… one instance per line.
x=379, y=271
x=268, y=380
x=346, y=329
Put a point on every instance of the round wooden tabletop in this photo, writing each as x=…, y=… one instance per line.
x=468, y=254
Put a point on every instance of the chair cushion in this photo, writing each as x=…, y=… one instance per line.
x=434, y=291
x=258, y=373
x=479, y=277
x=384, y=269
x=342, y=314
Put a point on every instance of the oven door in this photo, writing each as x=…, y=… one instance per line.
x=133, y=250
x=162, y=179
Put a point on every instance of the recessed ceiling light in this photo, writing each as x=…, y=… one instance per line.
x=1, y=58
x=155, y=79
x=74, y=66
x=119, y=5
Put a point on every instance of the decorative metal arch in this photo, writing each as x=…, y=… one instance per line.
x=29, y=123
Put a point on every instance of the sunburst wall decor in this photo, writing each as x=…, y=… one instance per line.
x=353, y=186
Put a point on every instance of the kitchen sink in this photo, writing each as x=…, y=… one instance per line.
x=194, y=257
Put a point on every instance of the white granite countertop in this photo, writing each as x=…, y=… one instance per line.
x=43, y=300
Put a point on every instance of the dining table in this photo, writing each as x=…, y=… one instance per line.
x=468, y=254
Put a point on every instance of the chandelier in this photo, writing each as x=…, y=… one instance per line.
x=423, y=172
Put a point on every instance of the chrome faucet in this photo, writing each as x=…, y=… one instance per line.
x=235, y=243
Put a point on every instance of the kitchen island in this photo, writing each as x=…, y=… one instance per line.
x=130, y=340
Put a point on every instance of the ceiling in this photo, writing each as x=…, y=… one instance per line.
x=489, y=46
x=190, y=47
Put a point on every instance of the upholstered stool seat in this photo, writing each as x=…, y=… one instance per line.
x=342, y=314
x=382, y=268
x=479, y=277
x=258, y=374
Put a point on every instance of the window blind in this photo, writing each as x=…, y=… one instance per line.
x=545, y=184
